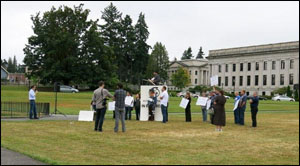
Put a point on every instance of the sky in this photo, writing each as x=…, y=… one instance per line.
x=178, y=25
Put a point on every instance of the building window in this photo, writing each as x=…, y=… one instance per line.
x=196, y=81
x=264, y=79
x=241, y=66
x=281, y=79
x=273, y=79
x=256, y=80
x=282, y=64
x=248, y=93
x=248, y=80
x=233, y=67
x=291, y=79
x=241, y=80
x=226, y=81
x=226, y=68
x=220, y=68
x=273, y=65
x=249, y=66
x=257, y=66
x=219, y=81
x=292, y=64
x=196, y=72
x=265, y=65
x=190, y=72
x=233, y=80
x=264, y=93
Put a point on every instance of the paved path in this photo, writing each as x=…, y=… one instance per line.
x=51, y=117
x=9, y=157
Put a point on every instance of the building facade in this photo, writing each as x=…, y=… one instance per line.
x=261, y=68
x=198, y=70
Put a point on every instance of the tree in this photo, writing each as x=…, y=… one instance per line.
x=15, y=64
x=111, y=30
x=141, y=49
x=10, y=66
x=187, y=54
x=56, y=51
x=158, y=61
x=288, y=91
x=280, y=91
x=181, y=78
x=128, y=49
x=200, y=54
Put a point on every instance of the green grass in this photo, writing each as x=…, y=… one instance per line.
x=274, y=141
x=72, y=103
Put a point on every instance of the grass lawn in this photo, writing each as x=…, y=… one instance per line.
x=72, y=103
x=274, y=141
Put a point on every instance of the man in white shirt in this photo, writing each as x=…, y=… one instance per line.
x=164, y=98
x=32, y=93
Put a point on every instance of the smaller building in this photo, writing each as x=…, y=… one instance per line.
x=4, y=73
x=198, y=70
x=17, y=78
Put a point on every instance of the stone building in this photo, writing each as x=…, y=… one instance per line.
x=261, y=68
x=197, y=68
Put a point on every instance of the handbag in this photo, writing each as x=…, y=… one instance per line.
x=211, y=111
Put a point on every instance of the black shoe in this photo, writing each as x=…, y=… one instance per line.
x=30, y=118
x=36, y=118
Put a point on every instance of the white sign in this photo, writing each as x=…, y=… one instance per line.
x=214, y=80
x=144, y=114
x=111, y=106
x=129, y=101
x=184, y=102
x=208, y=104
x=202, y=101
x=236, y=104
x=86, y=116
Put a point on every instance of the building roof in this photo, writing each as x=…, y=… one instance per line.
x=191, y=62
x=4, y=69
x=256, y=49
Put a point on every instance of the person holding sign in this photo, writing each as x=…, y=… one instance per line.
x=128, y=105
x=164, y=98
x=235, y=109
x=188, y=117
x=219, y=111
x=204, y=110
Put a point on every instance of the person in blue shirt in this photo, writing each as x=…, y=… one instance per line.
x=242, y=107
x=254, y=101
x=236, y=111
x=32, y=97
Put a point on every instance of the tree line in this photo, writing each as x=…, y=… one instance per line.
x=12, y=66
x=68, y=48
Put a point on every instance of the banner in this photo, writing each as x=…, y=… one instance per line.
x=86, y=116
x=111, y=106
x=144, y=114
x=184, y=102
x=201, y=101
x=214, y=80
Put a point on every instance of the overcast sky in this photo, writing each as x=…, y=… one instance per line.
x=178, y=25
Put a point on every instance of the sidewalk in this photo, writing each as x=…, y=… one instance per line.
x=51, y=117
x=9, y=157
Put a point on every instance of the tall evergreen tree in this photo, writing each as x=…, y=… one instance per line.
x=111, y=34
x=10, y=66
x=187, y=54
x=15, y=64
x=141, y=49
x=158, y=61
x=200, y=54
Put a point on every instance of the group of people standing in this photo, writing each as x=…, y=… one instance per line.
x=215, y=107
